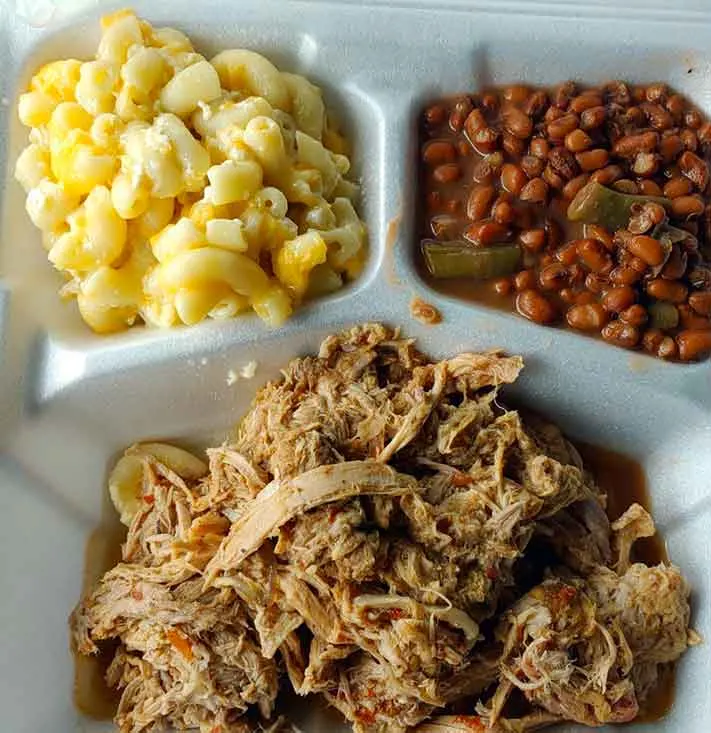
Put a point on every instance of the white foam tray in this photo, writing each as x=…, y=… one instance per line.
x=70, y=401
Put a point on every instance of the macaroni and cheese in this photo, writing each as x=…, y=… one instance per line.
x=169, y=188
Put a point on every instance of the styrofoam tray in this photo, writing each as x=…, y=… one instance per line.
x=70, y=401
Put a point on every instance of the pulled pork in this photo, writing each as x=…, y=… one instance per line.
x=361, y=537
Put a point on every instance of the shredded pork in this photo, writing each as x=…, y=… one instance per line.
x=363, y=538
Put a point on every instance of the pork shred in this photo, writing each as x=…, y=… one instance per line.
x=361, y=539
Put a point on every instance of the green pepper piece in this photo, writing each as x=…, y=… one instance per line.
x=597, y=204
x=663, y=315
x=460, y=259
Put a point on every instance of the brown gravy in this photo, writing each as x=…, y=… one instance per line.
x=623, y=479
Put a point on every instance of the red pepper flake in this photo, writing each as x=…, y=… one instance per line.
x=149, y=498
x=566, y=594
x=473, y=722
x=395, y=613
x=183, y=645
x=366, y=716
x=333, y=513
x=459, y=478
x=491, y=573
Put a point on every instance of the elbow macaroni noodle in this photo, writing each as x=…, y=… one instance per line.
x=169, y=188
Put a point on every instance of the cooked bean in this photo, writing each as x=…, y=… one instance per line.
x=574, y=185
x=618, y=92
x=568, y=253
x=624, y=275
x=513, y=179
x=577, y=274
x=648, y=249
x=516, y=93
x=552, y=177
x=593, y=231
x=532, y=166
x=636, y=315
x=669, y=147
x=591, y=317
x=657, y=92
x=536, y=307
x=675, y=266
x=479, y=201
x=517, y=122
x=689, y=139
x=594, y=283
x=645, y=164
x=439, y=151
x=621, y=333
x=535, y=104
x=676, y=105
x=593, y=118
x=633, y=117
x=645, y=217
x=533, y=240
x=618, y=299
x=535, y=191
x=672, y=291
x=625, y=185
x=564, y=93
x=524, y=280
x=553, y=113
x=558, y=129
x=677, y=186
x=502, y=286
x=690, y=320
x=693, y=344
x=592, y=254
x=693, y=119
x=487, y=167
x=593, y=160
x=658, y=117
x=446, y=173
x=459, y=114
x=485, y=140
x=655, y=342
x=490, y=102
x=539, y=147
x=577, y=141
x=629, y=145
x=563, y=162
x=652, y=339
x=584, y=101
x=649, y=187
x=486, y=232
x=474, y=122
x=435, y=115
x=685, y=207
x=701, y=302
x=695, y=169
x=512, y=145
x=703, y=134
x=553, y=276
x=568, y=296
x=503, y=212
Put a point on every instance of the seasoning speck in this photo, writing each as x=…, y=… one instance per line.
x=425, y=312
